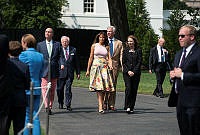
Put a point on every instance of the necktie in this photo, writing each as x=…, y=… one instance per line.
x=183, y=58
x=49, y=49
x=111, y=47
x=66, y=54
x=180, y=63
x=162, y=56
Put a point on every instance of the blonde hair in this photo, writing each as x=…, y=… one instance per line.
x=192, y=29
x=30, y=40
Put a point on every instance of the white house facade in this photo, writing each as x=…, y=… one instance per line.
x=155, y=9
x=86, y=14
x=94, y=14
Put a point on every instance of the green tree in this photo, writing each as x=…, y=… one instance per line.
x=25, y=14
x=176, y=21
x=195, y=17
x=174, y=4
x=139, y=24
x=194, y=13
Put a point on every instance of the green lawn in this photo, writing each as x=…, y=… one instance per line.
x=146, y=86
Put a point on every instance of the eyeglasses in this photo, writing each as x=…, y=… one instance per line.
x=182, y=36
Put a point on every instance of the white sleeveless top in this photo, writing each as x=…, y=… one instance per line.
x=100, y=51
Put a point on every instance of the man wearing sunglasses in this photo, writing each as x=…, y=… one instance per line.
x=185, y=94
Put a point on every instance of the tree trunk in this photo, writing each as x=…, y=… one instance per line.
x=118, y=18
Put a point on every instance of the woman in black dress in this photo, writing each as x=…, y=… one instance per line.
x=131, y=61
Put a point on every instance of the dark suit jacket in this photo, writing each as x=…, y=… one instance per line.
x=132, y=61
x=69, y=65
x=55, y=56
x=153, y=59
x=189, y=87
x=4, y=77
x=21, y=81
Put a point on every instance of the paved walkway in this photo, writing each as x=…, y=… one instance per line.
x=152, y=117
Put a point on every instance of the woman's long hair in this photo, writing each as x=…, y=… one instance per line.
x=96, y=40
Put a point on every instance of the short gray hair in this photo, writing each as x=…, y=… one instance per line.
x=65, y=37
x=113, y=28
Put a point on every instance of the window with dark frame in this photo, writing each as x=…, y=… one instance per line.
x=88, y=6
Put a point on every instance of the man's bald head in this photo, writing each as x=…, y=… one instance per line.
x=161, y=42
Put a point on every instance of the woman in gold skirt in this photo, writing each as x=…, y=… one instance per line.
x=99, y=66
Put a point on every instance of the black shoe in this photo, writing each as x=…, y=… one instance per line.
x=161, y=95
x=156, y=94
x=60, y=106
x=69, y=108
x=50, y=112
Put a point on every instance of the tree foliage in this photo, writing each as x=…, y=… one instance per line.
x=139, y=24
x=194, y=13
x=25, y=14
x=174, y=4
x=195, y=17
x=175, y=21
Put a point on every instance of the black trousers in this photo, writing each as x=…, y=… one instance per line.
x=188, y=120
x=17, y=115
x=4, y=114
x=131, y=84
x=60, y=90
x=160, y=72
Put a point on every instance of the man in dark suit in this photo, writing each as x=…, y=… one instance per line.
x=5, y=86
x=50, y=50
x=21, y=81
x=186, y=82
x=158, y=63
x=68, y=62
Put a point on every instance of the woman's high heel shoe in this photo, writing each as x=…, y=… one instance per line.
x=101, y=112
x=128, y=110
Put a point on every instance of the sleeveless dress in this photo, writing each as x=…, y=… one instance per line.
x=100, y=75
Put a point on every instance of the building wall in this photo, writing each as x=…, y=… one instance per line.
x=75, y=18
x=192, y=3
x=155, y=9
x=167, y=13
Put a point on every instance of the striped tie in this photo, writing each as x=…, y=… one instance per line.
x=66, y=54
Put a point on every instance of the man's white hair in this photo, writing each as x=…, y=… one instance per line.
x=113, y=28
x=65, y=37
